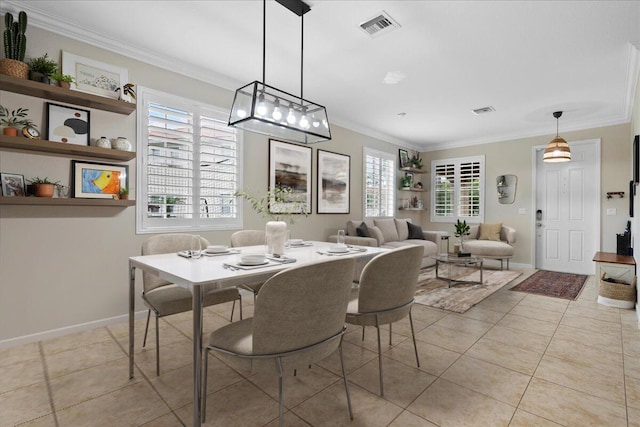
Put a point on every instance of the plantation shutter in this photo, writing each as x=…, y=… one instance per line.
x=469, y=198
x=443, y=190
x=457, y=189
x=379, y=184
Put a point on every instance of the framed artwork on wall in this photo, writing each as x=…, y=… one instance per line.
x=68, y=124
x=636, y=159
x=12, y=185
x=334, y=175
x=93, y=76
x=404, y=158
x=92, y=180
x=290, y=169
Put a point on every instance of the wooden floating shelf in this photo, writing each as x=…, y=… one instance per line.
x=414, y=170
x=44, y=146
x=56, y=93
x=50, y=201
x=419, y=190
x=411, y=209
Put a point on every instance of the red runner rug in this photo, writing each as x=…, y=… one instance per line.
x=553, y=284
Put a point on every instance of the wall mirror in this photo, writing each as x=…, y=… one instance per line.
x=506, y=185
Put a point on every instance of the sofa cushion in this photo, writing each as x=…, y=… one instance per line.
x=352, y=225
x=388, y=228
x=363, y=230
x=490, y=232
x=415, y=232
x=401, y=228
x=488, y=248
x=376, y=234
x=430, y=248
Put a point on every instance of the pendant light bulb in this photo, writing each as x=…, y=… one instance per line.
x=291, y=117
x=261, y=107
x=241, y=113
x=277, y=113
x=314, y=122
x=304, y=121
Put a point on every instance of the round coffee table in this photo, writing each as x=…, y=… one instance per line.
x=453, y=259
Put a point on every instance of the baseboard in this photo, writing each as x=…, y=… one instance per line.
x=53, y=333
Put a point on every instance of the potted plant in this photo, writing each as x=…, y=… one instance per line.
x=15, y=44
x=124, y=193
x=462, y=229
x=41, y=68
x=43, y=187
x=12, y=119
x=128, y=92
x=64, y=80
x=406, y=182
x=416, y=162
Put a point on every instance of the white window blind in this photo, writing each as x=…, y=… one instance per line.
x=189, y=164
x=457, y=189
x=379, y=183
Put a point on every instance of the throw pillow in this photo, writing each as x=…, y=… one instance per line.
x=490, y=232
x=415, y=231
x=376, y=233
x=363, y=230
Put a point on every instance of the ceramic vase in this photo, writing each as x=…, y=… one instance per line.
x=121, y=143
x=103, y=142
x=276, y=233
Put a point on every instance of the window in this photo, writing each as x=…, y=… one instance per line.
x=379, y=183
x=457, y=189
x=189, y=166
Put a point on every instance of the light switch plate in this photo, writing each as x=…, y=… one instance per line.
x=611, y=211
x=522, y=211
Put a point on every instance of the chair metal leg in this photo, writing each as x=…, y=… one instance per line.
x=280, y=394
x=344, y=377
x=390, y=324
x=362, y=332
x=233, y=307
x=240, y=302
x=379, y=357
x=157, y=345
x=146, y=329
x=203, y=405
x=413, y=335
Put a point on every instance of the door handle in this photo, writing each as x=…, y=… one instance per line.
x=539, y=224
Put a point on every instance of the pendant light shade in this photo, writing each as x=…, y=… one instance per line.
x=260, y=108
x=558, y=149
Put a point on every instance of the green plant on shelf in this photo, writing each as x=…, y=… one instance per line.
x=45, y=180
x=43, y=65
x=57, y=76
x=14, y=118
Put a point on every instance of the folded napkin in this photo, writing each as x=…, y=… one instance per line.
x=302, y=245
x=281, y=259
x=229, y=252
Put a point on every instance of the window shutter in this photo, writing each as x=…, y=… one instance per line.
x=469, y=194
x=457, y=189
x=379, y=184
x=443, y=189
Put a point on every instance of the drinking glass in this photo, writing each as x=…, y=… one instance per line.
x=341, y=238
x=196, y=249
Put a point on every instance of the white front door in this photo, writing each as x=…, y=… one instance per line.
x=568, y=210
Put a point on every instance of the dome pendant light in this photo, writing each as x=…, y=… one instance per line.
x=256, y=106
x=558, y=149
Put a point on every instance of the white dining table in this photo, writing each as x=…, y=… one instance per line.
x=210, y=272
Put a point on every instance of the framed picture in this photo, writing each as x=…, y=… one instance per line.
x=94, y=76
x=68, y=124
x=404, y=158
x=632, y=193
x=636, y=159
x=334, y=176
x=290, y=168
x=91, y=180
x=12, y=185
x=410, y=179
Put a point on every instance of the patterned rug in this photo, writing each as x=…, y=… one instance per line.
x=553, y=284
x=460, y=297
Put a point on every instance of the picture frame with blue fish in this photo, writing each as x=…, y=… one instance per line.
x=93, y=180
x=68, y=125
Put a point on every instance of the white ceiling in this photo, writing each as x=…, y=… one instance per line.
x=524, y=58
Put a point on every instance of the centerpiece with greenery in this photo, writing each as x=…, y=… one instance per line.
x=462, y=229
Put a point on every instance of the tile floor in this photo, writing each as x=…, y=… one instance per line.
x=513, y=360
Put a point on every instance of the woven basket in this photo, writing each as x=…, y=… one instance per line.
x=14, y=68
x=618, y=291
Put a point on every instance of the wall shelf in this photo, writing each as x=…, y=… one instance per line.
x=51, y=147
x=56, y=93
x=418, y=190
x=414, y=170
x=50, y=201
x=411, y=209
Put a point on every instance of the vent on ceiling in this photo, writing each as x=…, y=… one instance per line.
x=483, y=110
x=379, y=25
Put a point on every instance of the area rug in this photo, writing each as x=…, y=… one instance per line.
x=553, y=284
x=460, y=297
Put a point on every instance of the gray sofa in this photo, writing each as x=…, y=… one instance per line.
x=500, y=250
x=393, y=233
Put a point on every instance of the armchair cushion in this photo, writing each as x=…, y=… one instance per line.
x=490, y=232
x=415, y=231
x=363, y=230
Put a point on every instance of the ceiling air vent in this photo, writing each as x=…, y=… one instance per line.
x=380, y=24
x=483, y=110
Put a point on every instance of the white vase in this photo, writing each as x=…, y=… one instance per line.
x=103, y=142
x=121, y=143
x=276, y=232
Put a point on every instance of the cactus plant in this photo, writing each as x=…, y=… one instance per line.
x=15, y=41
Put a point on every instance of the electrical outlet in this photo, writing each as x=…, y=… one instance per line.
x=611, y=211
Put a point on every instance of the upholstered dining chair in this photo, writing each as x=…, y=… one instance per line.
x=386, y=292
x=165, y=298
x=298, y=320
x=249, y=238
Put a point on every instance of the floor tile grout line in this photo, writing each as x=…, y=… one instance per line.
x=48, y=383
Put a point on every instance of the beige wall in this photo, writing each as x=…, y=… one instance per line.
x=515, y=157
x=635, y=130
x=65, y=266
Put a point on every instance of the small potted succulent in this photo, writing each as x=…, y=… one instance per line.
x=42, y=187
x=64, y=80
x=13, y=119
x=406, y=182
x=124, y=193
x=41, y=68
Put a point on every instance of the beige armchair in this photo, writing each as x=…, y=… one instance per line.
x=484, y=240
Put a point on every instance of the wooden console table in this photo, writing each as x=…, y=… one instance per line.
x=622, y=267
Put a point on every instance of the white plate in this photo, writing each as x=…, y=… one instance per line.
x=209, y=251
x=218, y=249
x=253, y=263
x=336, y=250
x=296, y=242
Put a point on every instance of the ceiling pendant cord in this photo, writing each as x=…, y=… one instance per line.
x=264, y=39
x=302, y=57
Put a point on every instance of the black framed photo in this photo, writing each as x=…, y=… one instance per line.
x=404, y=158
x=93, y=180
x=636, y=159
x=68, y=124
x=334, y=176
x=632, y=193
x=290, y=170
x=12, y=185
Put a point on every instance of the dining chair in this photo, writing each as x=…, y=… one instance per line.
x=386, y=293
x=165, y=298
x=298, y=320
x=249, y=238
